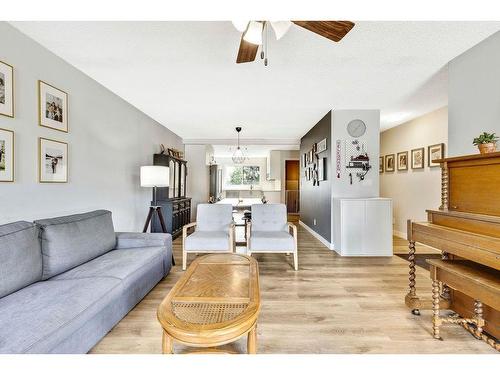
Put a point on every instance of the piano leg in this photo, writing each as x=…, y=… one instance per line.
x=436, y=320
x=411, y=298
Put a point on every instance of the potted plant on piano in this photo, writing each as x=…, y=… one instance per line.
x=486, y=142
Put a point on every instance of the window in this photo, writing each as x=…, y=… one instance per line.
x=244, y=175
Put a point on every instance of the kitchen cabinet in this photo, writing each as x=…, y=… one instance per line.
x=273, y=167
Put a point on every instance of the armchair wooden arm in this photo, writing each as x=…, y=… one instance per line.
x=232, y=240
x=248, y=230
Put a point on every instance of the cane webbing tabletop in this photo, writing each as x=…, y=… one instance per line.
x=216, y=301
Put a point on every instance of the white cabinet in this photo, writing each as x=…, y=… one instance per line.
x=273, y=165
x=363, y=226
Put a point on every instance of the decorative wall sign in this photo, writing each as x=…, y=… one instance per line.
x=6, y=90
x=435, y=152
x=321, y=146
x=338, y=150
x=6, y=155
x=389, y=163
x=52, y=160
x=403, y=161
x=417, y=158
x=52, y=107
x=381, y=164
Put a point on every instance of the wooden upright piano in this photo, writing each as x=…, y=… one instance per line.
x=465, y=227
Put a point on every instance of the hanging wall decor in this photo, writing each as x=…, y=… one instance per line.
x=321, y=146
x=357, y=158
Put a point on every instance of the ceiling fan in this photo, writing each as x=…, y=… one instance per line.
x=254, y=34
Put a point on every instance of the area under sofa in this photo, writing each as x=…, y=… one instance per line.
x=66, y=281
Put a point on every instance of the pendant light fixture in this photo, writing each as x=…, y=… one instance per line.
x=238, y=156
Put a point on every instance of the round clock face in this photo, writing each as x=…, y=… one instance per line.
x=356, y=128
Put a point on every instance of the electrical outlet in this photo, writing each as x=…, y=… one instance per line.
x=314, y=221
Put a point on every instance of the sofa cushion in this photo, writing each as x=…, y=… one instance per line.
x=69, y=241
x=214, y=217
x=271, y=241
x=207, y=241
x=37, y=318
x=119, y=264
x=20, y=256
x=269, y=217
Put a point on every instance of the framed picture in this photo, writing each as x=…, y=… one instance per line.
x=322, y=169
x=310, y=156
x=435, y=152
x=403, y=161
x=52, y=160
x=417, y=158
x=52, y=107
x=381, y=164
x=304, y=159
x=6, y=155
x=389, y=163
x=321, y=146
x=6, y=89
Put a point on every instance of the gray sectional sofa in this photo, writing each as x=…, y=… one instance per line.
x=65, y=282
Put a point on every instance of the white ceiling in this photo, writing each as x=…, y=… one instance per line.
x=184, y=75
x=251, y=151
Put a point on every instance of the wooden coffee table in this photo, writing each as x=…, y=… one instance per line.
x=215, y=302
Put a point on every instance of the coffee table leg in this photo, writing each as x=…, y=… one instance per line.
x=252, y=340
x=167, y=344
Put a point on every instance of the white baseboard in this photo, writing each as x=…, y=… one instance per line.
x=317, y=236
x=399, y=234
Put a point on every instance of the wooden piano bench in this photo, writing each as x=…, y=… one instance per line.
x=478, y=282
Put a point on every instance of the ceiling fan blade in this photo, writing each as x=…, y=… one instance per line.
x=333, y=30
x=247, y=52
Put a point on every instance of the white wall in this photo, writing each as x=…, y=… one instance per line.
x=198, y=177
x=413, y=191
x=474, y=95
x=341, y=187
x=108, y=138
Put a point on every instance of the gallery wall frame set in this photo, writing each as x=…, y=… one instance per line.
x=6, y=89
x=417, y=158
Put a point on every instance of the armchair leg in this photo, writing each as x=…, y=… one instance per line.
x=184, y=259
x=296, y=260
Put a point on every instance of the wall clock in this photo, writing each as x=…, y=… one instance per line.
x=356, y=128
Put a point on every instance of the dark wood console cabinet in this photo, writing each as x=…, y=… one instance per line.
x=175, y=205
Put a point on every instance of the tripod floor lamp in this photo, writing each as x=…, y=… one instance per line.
x=155, y=176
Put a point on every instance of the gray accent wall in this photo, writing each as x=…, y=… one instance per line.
x=315, y=201
x=109, y=139
x=474, y=95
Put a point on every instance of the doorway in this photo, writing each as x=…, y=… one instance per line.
x=292, y=176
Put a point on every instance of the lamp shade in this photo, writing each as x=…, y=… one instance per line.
x=154, y=175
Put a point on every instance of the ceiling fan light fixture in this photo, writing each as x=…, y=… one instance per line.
x=240, y=25
x=254, y=32
x=280, y=28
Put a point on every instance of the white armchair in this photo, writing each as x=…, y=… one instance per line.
x=269, y=231
x=214, y=231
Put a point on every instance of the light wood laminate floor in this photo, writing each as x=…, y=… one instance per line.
x=331, y=305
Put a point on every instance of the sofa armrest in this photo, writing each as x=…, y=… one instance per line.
x=128, y=240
